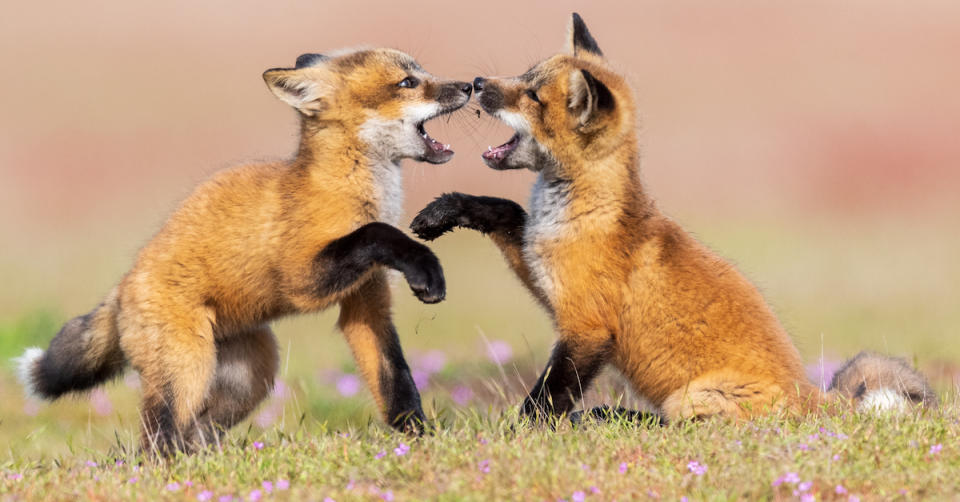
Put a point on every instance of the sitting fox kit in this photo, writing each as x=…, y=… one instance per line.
x=262, y=241
x=624, y=284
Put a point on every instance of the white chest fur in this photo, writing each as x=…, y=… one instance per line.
x=548, y=207
x=388, y=189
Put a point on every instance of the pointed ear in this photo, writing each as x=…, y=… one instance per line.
x=587, y=97
x=579, y=39
x=297, y=89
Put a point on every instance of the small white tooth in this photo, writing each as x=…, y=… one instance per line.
x=446, y=147
x=489, y=148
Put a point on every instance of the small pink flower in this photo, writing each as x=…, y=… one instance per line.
x=378, y=456
x=172, y=487
x=790, y=477
x=328, y=499
x=15, y=476
x=401, y=450
x=840, y=490
x=594, y=490
x=387, y=496
x=484, y=466
x=205, y=495
x=100, y=402
x=258, y=445
x=853, y=498
x=836, y=458
x=133, y=480
x=91, y=463
x=254, y=496
x=348, y=385
x=267, y=486
x=499, y=352
x=225, y=498
x=482, y=441
x=578, y=496
x=623, y=467
x=697, y=468
x=935, y=449
x=803, y=447
x=461, y=395
x=807, y=497
x=283, y=484
x=805, y=486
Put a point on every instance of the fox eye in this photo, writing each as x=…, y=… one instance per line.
x=409, y=82
x=533, y=95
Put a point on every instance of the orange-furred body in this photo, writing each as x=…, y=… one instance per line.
x=261, y=241
x=624, y=284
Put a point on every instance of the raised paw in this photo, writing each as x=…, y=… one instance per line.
x=425, y=277
x=439, y=216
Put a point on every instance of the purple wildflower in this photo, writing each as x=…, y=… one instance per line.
x=172, y=487
x=267, y=486
x=578, y=496
x=461, y=395
x=853, y=498
x=205, y=495
x=254, y=496
x=840, y=490
x=432, y=361
x=935, y=449
x=805, y=486
x=283, y=484
x=803, y=447
x=15, y=476
x=401, y=450
x=328, y=499
x=499, y=351
x=387, y=496
x=91, y=463
x=100, y=402
x=836, y=458
x=421, y=379
x=697, y=468
x=594, y=490
x=790, y=477
x=484, y=466
x=378, y=456
x=225, y=498
x=807, y=497
x=623, y=467
x=348, y=384
x=133, y=480
x=258, y=445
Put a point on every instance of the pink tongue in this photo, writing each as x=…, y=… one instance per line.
x=498, y=152
x=436, y=145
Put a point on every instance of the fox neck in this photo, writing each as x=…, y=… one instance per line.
x=596, y=194
x=339, y=162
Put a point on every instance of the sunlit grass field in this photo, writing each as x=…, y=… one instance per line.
x=839, y=287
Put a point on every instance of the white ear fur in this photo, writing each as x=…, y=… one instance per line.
x=580, y=99
x=297, y=89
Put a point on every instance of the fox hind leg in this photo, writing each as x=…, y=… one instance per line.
x=573, y=365
x=246, y=366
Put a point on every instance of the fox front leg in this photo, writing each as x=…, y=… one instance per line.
x=489, y=215
x=345, y=260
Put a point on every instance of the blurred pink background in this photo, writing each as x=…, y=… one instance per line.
x=112, y=110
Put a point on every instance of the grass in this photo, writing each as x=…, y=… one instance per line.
x=839, y=288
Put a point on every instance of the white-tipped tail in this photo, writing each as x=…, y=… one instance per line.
x=25, y=366
x=881, y=400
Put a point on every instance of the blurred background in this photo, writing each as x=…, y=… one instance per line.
x=813, y=143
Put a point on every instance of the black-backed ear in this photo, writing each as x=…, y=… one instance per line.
x=587, y=97
x=294, y=87
x=579, y=39
x=311, y=59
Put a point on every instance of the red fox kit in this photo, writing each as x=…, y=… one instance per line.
x=258, y=242
x=624, y=284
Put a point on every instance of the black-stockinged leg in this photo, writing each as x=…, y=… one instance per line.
x=484, y=214
x=605, y=413
x=342, y=262
x=403, y=408
x=569, y=373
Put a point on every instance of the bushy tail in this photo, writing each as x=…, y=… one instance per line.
x=877, y=382
x=84, y=353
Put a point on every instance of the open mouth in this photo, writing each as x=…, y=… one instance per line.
x=436, y=152
x=496, y=155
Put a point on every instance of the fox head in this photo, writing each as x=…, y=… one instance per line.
x=383, y=96
x=567, y=109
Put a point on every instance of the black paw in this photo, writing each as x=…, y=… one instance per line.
x=439, y=216
x=425, y=277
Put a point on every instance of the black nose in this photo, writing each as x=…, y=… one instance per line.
x=478, y=84
x=466, y=88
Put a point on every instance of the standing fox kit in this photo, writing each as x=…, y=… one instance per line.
x=624, y=284
x=262, y=241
